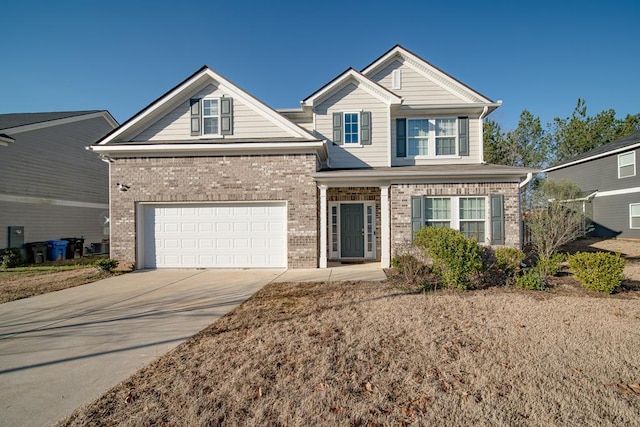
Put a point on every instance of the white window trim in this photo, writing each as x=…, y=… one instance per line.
x=631, y=205
x=455, y=213
x=202, y=117
x=344, y=134
x=367, y=254
x=431, y=148
x=633, y=153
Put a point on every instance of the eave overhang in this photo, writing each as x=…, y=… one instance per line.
x=5, y=140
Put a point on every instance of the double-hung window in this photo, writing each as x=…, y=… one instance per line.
x=351, y=128
x=634, y=215
x=438, y=211
x=210, y=116
x=472, y=217
x=466, y=214
x=425, y=137
x=627, y=165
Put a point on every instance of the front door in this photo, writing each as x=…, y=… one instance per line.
x=352, y=230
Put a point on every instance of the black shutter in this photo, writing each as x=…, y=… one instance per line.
x=365, y=128
x=401, y=137
x=337, y=128
x=417, y=209
x=463, y=136
x=194, y=104
x=497, y=219
x=226, y=116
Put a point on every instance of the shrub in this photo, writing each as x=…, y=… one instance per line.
x=508, y=259
x=598, y=271
x=410, y=267
x=531, y=280
x=550, y=266
x=456, y=258
x=11, y=257
x=106, y=264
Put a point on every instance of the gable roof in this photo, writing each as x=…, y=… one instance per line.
x=375, y=89
x=429, y=71
x=183, y=91
x=22, y=122
x=625, y=143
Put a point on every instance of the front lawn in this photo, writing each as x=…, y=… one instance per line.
x=374, y=354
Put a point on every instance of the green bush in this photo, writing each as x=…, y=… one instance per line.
x=598, y=271
x=456, y=258
x=531, y=280
x=550, y=266
x=106, y=264
x=508, y=259
x=11, y=257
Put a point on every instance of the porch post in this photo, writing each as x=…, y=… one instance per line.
x=323, y=226
x=385, y=229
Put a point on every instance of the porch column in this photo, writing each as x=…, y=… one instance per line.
x=323, y=226
x=385, y=229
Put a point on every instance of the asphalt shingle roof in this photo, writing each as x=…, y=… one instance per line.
x=22, y=119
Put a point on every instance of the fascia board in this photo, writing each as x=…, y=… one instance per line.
x=594, y=157
x=26, y=128
x=366, y=84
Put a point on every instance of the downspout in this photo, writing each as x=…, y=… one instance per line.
x=485, y=112
x=520, y=187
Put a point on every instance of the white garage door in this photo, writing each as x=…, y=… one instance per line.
x=220, y=235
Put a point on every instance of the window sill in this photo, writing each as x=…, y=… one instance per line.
x=432, y=157
x=351, y=145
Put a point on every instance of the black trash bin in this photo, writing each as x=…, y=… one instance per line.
x=75, y=247
x=36, y=252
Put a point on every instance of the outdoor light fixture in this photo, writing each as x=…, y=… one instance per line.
x=122, y=187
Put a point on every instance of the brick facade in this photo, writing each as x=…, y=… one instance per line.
x=400, y=200
x=222, y=178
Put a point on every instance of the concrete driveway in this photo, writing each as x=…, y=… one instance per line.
x=64, y=349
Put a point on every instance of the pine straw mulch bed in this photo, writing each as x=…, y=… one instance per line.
x=386, y=354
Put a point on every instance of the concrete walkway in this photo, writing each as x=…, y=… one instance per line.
x=64, y=349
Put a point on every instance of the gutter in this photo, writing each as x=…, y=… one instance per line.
x=527, y=180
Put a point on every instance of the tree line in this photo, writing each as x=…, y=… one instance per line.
x=532, y=145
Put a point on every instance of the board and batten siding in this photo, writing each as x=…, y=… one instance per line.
x=51, y=165
x=416, y=89
x=176, y=125
x=352, y=98
x=474, y=144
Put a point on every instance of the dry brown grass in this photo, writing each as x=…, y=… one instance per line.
x=21, y=283
x=374, y=354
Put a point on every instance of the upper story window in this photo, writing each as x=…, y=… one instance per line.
x=352, y=128
x=425, y=137
x=211, y=116
x=627, y=165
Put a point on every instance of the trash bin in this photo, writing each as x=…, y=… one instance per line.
x=36, y=252
x=56, y=249
x=75, y=247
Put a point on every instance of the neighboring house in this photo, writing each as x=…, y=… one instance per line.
x=51, y=186
x=216, y=178
x=608, y=177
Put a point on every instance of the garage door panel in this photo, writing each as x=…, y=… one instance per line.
x=226, y=236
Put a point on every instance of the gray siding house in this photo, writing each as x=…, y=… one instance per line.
x=51, y=186
x=609, y=179
x=216, y=178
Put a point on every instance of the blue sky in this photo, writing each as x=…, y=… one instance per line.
x=121, y=55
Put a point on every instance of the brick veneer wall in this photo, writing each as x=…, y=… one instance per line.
x=224, y=178
x=355, y=194
x=401, y=207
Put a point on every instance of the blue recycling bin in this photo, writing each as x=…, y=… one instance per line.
x=57, y=249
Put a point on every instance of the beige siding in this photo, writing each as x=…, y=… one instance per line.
x=474, y=146
x=416, y=89
x=176, y=125
x=351, y=98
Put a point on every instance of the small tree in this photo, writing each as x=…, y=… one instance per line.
x=556, y=218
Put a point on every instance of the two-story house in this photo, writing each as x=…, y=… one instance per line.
x=608, y=178
x=209, y=176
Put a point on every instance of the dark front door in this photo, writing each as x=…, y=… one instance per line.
x=352, y=230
